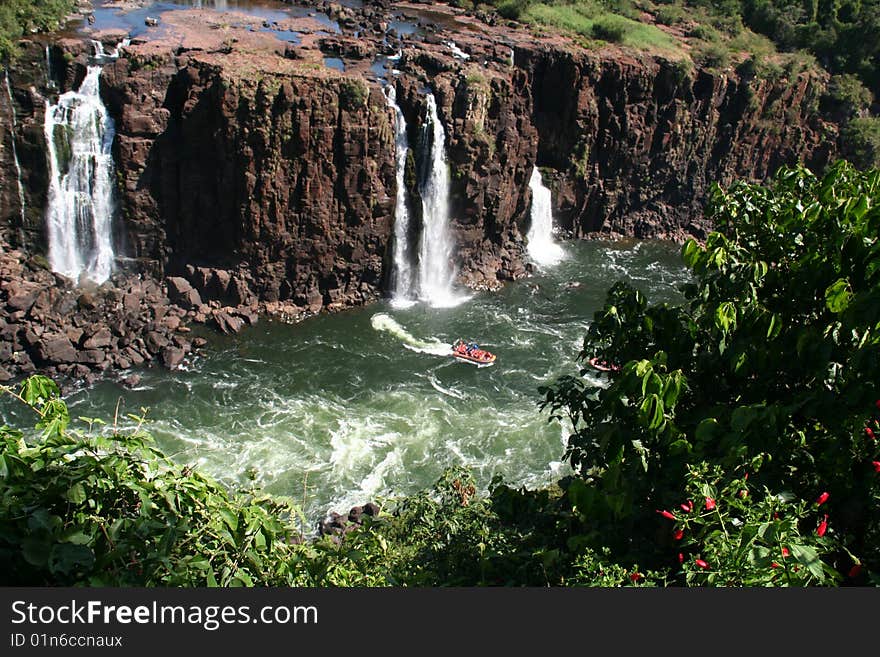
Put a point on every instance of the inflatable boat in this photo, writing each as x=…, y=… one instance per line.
x=471, y=352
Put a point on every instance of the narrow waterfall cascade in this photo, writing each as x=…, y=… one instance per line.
x=401, y=276
x=436, y=269
x=542, y=248
x=13, y=128
x=50, y=74
x=79, y=133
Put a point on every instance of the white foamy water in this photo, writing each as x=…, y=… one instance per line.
x=542, y=247
x=401, y=275
x=436, y=268
x=13, y=128
x=386, y=323
x=366, y=404
x=79, y=133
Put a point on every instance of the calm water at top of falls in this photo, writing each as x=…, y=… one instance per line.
x=352, y=406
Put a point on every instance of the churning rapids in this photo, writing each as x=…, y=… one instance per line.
x=364, y=403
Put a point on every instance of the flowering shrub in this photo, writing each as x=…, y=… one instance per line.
x=772, y=361
x=758, y=539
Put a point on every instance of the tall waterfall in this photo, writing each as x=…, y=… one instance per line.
x=543, y=250
x=436, y=271
x=401, y=276
x=79, y=133
x=13, y=128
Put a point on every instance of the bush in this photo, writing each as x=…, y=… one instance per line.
x=352, y=94
x=607, y=28
x=768, y=375
x=712, y=55
x=845, y=98
x=85, y=508
x=513, y=9
x=20, y=17
x=670, y=15
x=860, y=142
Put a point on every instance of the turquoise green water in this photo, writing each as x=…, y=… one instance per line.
x=365, y=402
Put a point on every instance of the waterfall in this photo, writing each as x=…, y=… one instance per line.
x=50, y=78
x=436, y=271
x=79, y=133
x=401, y=277
x=13, y=128
x=543, y=250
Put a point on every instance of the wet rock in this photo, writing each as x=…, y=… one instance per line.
x=227, y=323
x=172, y=357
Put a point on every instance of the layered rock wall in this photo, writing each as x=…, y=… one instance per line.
x=634, y=145
x=291, y=178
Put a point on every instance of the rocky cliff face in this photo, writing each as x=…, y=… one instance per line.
x=634, y=145
x=259, y=179
x=286, y=177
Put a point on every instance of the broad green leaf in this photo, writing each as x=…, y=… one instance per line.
x=66, y=558
x=808, y=557
x=230, y=518
x=35, y=551
x=76, y=494
x=725, y=316
x=706, y=429
x=838, y=295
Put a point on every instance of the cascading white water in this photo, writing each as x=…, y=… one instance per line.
x=401, y=281
x=50, y=77
x=13, y=128
x=436, y=271
x=79, y=133
x=542, y=248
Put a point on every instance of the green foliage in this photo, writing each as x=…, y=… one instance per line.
x=846, y=98
x=712, y=55
x=729, y=535
x=81, y=507
x=352, y=94
x=609, y=28
x=770, y=368
x=860, y=141
x=21, y=17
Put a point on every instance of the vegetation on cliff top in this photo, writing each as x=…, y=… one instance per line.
x=19, y=18
x=736, y=446
x=772, y=39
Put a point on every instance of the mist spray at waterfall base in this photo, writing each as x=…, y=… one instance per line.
x=542, y=248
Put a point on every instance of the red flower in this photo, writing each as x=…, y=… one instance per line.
x=702, y=564
x=877, y=403
x=678, y=534
x=746, y=476
x=680, y=558
x=776, y=515
x=822, y=499
x=743, y=493
x=876, y=465
x=785, y=552
x=710, y=504
x=823, y=526
x=635, y=577
x=855, y=571
x=666, y=514
x=687, y=508
x=869, y=432
x=774, y=565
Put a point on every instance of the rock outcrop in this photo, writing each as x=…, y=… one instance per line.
x=252, y=178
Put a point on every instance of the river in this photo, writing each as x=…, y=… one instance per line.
x=345, y=408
